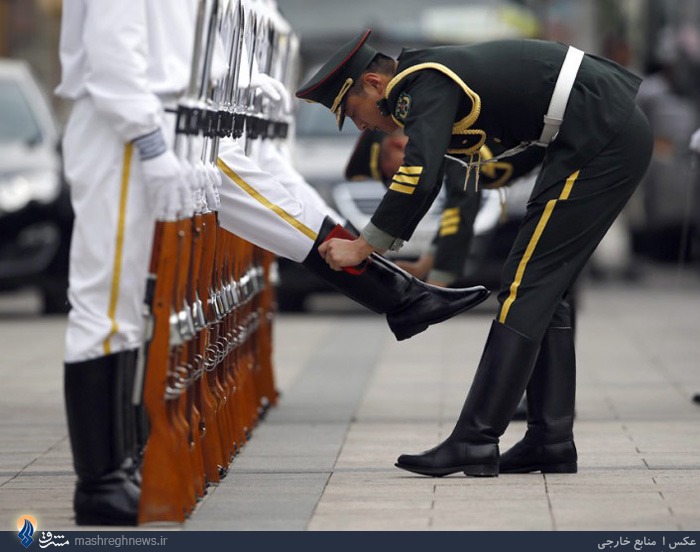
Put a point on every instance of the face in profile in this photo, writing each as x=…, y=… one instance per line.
x=361, y=106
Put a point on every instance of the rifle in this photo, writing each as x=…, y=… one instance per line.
x=266, y=308
x=214, y=462
x=168, y=488
x=163, y=497
x=181, y=396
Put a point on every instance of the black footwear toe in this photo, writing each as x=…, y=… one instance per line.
x=479, y=460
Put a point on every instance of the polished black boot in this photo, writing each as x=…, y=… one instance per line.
x=520, y=413
x=409, y=304
x=100, y=426
x=499, y=383
x=548, y=445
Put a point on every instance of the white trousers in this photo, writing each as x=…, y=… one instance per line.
x=112, y=235
x=265, y=204
x=273, y=208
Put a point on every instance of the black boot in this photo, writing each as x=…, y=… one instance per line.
x=499, y=383
x=548, y=445
x=409, y=304
x=521, y=412
x=100, y=426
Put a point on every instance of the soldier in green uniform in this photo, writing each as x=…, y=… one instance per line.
x=522, y=93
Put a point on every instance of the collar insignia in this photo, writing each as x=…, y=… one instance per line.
x=403, y=106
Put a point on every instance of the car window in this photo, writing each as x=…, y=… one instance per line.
x=17, y=121
x=315, y=120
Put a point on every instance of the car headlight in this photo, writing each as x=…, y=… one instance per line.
x=17, y=190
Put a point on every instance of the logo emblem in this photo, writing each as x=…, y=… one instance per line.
x=26, y=526
x=403, y=106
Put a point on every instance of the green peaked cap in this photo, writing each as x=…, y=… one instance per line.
x=331, y=82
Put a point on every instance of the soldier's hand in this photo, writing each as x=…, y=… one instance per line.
x=215, y=181
x=169, y=181
x=209, y=181
x=274, y=90
x=420, y=268
x=339, y=253
x=170, y=185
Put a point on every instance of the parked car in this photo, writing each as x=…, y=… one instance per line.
x=35, y=214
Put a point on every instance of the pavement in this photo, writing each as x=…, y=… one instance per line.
x=353, y=399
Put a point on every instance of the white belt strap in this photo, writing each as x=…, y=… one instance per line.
x=553, y=118
x=560, y=96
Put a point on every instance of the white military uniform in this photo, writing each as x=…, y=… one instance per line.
x=263, y=198
x=122, y=62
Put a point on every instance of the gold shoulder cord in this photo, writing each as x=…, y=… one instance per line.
x=461, y=127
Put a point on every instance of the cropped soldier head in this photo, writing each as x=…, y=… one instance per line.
x=377, y=156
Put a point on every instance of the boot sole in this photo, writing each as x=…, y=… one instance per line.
x=477, y=470
x=400, y=335
x=567, y=467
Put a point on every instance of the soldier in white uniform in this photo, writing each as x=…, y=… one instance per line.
x=125, y=64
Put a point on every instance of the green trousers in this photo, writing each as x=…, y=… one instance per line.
x=565, y=221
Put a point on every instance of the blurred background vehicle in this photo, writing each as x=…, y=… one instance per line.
x=35, y=213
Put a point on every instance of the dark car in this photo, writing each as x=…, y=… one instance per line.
x=35, y=214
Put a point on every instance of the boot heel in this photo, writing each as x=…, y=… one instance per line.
x=406, y=333
x=565, y=467
x=481, y=470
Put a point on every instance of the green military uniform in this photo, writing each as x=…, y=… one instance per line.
x=452, y=242
x=451, y=99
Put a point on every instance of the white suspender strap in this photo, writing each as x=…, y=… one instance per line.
x=555, y=113
x=560, y=96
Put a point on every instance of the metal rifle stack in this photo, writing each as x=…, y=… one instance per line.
x=205, y=370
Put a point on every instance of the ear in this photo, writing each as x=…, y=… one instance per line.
x=374, y=81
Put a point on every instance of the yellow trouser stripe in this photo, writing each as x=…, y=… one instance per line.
x=284, y=215
x=402, y=188
x=119, y=247
x=533, y=243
